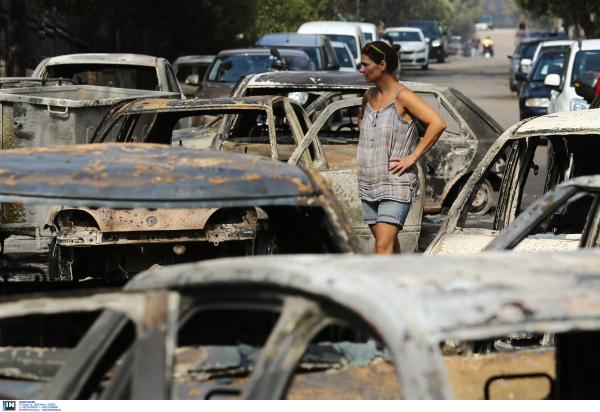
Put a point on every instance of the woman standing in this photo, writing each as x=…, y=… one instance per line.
x=387, y=174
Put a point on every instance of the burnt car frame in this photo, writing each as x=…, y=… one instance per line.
x=573, y=141
x=568, y=214
x=129, y=207
x=270, y=126
x=409, y=314
x=470, y=132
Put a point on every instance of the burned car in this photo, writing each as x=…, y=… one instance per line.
x=269, y=126
x=130, y=207
x=322, y=327
x=565, y=218
x=469, y=134
x=573, y=143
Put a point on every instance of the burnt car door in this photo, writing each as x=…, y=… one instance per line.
x=43, y=356
x=336, y=131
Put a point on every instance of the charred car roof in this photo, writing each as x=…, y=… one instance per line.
x=561, y=124
x=152, y=105
x=109, y=58
x=148, y=175
x=466, y=297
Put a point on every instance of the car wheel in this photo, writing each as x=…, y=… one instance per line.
x=60, y=263
x=442, y=58
x=425, y=67
x=483, y=200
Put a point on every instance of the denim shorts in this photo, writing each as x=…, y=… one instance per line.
x=389, y=211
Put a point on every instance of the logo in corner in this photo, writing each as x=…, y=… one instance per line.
x=9, y=405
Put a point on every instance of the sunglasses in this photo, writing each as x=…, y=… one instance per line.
x=370, y=45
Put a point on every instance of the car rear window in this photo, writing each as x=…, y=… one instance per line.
x=111, y=75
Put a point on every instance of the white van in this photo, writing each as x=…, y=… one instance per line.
x=582, y=57
x=349, y=33
x=369, y=30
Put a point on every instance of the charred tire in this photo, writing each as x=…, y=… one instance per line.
x=483, y=200
x=266, y=245
x=59, y=269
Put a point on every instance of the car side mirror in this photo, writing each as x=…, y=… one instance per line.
x=333, y=66
x=552, y=81
x=277, y=65
x=192, y=79
x=526, y=62
x=522, y=77
x=510, y=56
x=586, y=85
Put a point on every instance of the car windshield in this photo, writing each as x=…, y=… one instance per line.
x=401, y=36
x=547, y=64
x=528, y=50
x=185, y=70
x=111, y=75
x=231, y=68
x=428, y=29
x=368, y=37
x=344, y=58
x=585, y=61
x=349, y=40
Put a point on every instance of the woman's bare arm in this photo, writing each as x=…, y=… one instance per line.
x=365, y=100
x=417, y=108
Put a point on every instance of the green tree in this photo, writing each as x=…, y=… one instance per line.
x=279, y=16
x=573, y=12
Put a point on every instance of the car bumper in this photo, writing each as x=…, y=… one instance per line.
x=414, y=59
x=527, y=112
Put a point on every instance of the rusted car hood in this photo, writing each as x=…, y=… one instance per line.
x=147, y=175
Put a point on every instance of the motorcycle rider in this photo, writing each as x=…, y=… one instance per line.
x=489, y=44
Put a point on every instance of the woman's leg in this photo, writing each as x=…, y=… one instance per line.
x=386, y=238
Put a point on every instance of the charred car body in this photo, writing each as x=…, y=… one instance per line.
x=404, y=320
x=573, y=141
x=469, y=134
x=130, y=207
x=271, y=126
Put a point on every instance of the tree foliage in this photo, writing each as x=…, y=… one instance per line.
x=287, y=15
x=573, y=12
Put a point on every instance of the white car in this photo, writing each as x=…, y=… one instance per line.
x=369, y=30
x=583, y=56
x=344, y=56
x=414, y=50
x=551, y=45
x=349, y=33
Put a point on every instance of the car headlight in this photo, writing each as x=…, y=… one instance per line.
x=421, y=51
x=578, y=104
x=298, y=97
x=436, y=43
x=537, y=102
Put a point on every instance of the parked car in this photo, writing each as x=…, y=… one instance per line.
x=551, y=45
x=268, y=126
x=349, y=33
x=583, y=56
x=316, y=46
x=573, y=142
x=189, y=71
x=369, y=30
x=484, y=23
x=231, y=65
x=521, y=61
x=565, y=218
x=131, y=207
x=128, y=71
x=414, y=50
x=470, y=131
x=534, y=96
x=435, y=36
x=456, y=46
x=344, y=56
x=293, y=323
